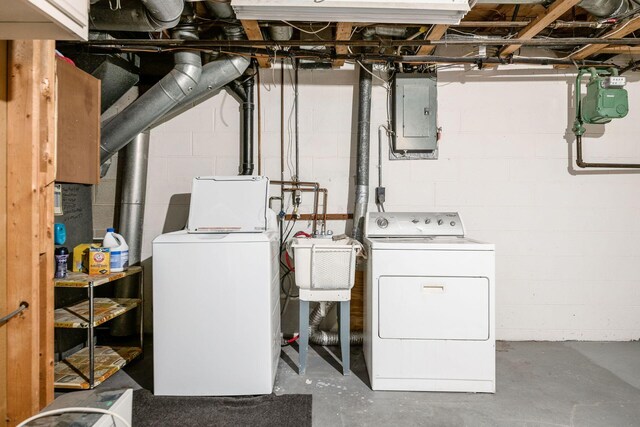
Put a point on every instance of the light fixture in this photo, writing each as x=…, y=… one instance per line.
x=374, y=11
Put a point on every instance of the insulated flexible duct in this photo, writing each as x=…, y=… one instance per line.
x=319, y=337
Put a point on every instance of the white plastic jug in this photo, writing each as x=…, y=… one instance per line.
x=119, y=250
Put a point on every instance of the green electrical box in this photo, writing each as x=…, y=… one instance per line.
x=606, y=99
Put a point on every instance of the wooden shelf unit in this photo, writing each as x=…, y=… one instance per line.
x=73, y=372
x=105, y=309
x=92, y=365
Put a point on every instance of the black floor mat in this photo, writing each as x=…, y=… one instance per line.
x=287, y=410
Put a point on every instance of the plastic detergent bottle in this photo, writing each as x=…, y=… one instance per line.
x=119, y=250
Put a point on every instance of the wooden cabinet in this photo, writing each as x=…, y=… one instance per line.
x=45, y=20
x=78, y=125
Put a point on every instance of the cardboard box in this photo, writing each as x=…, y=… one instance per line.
x=99, y=261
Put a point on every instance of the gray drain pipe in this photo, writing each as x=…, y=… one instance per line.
x=362, y=160
x=136, y=15
x=316, y=336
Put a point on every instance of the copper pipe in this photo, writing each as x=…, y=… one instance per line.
x=316, y=187
x=325, y=195
x=330, y=217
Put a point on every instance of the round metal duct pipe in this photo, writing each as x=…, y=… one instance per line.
x=134, y=15
x=605, y=8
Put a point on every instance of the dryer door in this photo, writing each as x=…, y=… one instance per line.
x=434, y=308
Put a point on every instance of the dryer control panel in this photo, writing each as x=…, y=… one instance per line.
x=413, y=224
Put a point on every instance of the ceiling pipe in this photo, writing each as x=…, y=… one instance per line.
x=136, y=15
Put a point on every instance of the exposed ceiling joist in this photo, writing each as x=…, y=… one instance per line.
x=437, y=32
x=343, y=32
x=252, y=29
x=618, y=32
x=542, y=21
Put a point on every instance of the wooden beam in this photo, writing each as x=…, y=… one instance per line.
x=47, y=173
x=343, y=32
x=555, y=11
x=252, y=29
x=437, y=32
x=3, y=228
x=30, y=93
x=620, y=31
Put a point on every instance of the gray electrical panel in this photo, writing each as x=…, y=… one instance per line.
x=414, y=116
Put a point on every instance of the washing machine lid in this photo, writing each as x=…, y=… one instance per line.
x=184, y=237
x=436, y=243
x=228, y=204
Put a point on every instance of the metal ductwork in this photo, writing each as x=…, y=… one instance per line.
x=134, y=158
x=132, y=197
x=136, y=15
x=598, y=8
x=384, y=30
x=152, y=105
x=220, y=8
x=606, y=8
x=116, y=75
x=362, y=159
x=280, y=32
x=215, y=75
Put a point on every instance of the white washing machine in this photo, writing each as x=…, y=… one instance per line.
x=216, y=294
x=429, y=305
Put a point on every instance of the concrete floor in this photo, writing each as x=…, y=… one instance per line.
x=539, y=384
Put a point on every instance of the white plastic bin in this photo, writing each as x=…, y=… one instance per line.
x=324, y=264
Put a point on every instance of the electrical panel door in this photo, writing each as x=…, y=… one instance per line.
x=414, y=115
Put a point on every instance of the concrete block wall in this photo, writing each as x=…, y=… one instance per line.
x=566, y=239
